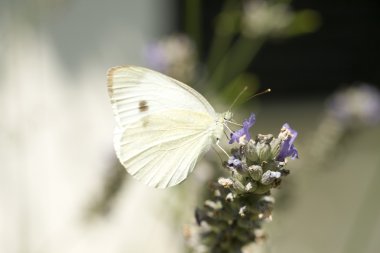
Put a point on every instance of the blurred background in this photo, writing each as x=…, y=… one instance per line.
x=61, y=186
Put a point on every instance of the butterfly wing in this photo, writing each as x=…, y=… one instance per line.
x=163, y=125
x=162, y=150
x=136, y=92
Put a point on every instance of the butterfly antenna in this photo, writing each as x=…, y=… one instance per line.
x=238, y=96
x=260, y=93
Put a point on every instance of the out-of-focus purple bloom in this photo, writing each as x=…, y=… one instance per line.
x=354, y=105
x=244, y=131
x=174, y=55
x=288, y=135
x=155, y=56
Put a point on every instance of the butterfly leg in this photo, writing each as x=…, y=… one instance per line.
x=217, y=144
x=234, y=123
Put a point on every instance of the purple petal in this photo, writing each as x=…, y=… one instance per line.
x=287, y=147
x=247, y=124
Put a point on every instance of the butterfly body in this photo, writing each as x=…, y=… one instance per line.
x=163, y=126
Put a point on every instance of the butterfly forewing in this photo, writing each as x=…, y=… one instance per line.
x=136, y=91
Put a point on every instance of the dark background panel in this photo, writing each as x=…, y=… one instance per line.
x=344, y=50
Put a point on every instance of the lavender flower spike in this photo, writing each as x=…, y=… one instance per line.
x=243, y=132
x=288, y=135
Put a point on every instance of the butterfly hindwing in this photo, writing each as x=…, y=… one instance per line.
x=162, y=151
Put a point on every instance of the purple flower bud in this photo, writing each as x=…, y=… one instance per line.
x=234, y=161
x=269, y=177
x=244, y=131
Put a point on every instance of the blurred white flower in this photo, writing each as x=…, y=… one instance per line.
x=263, y=18
x=56, y=138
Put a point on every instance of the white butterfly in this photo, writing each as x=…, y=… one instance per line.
x=163, y=125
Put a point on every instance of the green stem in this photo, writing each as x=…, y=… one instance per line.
x=193, y=21
x=364, y=223
x=235, y=61
x=220, y=41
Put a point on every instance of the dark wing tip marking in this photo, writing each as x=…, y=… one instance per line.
x=110, y=74
x=143, y=106
x=110, y=77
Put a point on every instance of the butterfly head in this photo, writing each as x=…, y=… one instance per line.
x=221, y=120
x=227, y=116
